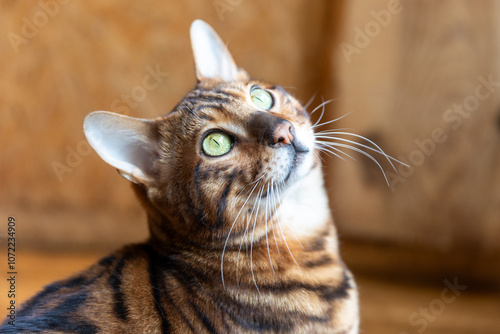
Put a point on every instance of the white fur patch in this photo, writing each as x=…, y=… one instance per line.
x=304, y=207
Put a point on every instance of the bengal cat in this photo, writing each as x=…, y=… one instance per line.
x=241, y=236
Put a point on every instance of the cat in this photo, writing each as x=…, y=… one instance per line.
x=241, y=236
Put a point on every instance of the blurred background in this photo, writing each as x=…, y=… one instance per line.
x=420, y=78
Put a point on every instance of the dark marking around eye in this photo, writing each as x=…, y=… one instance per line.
x=197, y=180
x=223, y=200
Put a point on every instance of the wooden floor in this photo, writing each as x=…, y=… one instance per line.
x=386, y=307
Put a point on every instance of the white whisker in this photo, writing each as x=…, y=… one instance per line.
x=328, y=122
x=310, y=101
x=283, y=234
x=322, y=105
x=274, y=214
x=259, y=196
x=379, y=149
x=229, y=234
x=249, y=219
x=267, y=237
x=328, y=149
x=365, y=154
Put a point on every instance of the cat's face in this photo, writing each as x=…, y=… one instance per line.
x=222, y=157
x=245, y=130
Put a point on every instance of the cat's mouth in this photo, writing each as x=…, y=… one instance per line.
x=299, y=164
x=299, y=156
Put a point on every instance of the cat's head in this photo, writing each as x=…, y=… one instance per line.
x=222, y=156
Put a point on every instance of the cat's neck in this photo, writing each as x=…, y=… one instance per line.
x=303, y=215
x=304, y=208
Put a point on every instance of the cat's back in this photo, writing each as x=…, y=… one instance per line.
x=114, y=295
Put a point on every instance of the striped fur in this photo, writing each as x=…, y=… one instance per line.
x=241, y=243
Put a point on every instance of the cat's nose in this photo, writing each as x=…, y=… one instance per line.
x=283, y=133
x=271, y=130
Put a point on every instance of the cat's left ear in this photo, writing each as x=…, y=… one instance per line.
x=126, y=143
x=211, y=56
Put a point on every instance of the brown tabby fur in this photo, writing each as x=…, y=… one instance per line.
x=224, y=255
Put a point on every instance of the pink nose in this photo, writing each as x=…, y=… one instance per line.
x=283, y=133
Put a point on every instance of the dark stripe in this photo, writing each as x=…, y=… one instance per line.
x=157, y=288
x=70, y=304
x=317, y=244
x=220, y=91
x=214, y=100
x=258, y=319
x=322, y=261
x=266, y=319
x=339, y=292
x=325, y=292
x=203, y=318
x=184, y=276
x=206, y=117
x=61, y=318
x=257, y=170
x=197, y=183
x=44, y=296
x=115, y=280
x=223, y=200
x=208, y=106
x=214, y=92
x=107, y=261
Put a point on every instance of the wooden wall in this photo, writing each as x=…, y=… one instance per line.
x=398, y=68
x=414, y=78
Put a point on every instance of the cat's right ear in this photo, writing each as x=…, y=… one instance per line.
x=126, y=143
x=211, y=56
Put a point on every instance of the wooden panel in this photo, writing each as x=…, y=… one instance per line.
x=417, y=85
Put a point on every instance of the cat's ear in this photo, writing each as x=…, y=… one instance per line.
x=211, y=56
x=126, y=143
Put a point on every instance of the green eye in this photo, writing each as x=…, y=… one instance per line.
x=217, y=144
x=261, y=98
